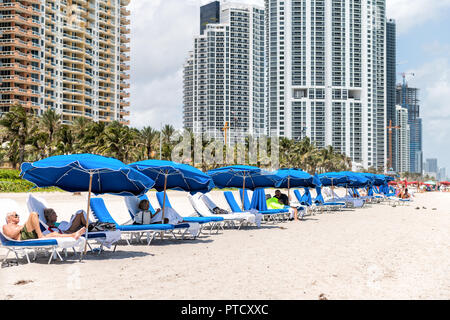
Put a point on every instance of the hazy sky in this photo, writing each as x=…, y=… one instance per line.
x=162, y=34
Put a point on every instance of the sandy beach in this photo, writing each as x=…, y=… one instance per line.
x=378, y=252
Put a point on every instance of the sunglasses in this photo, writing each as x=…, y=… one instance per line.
x=15, y=215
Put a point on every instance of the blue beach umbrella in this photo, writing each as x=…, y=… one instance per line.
x=174, y=175
x=334, y=179
x=73, y=173
x=293, y=178
x=86, y=172
x=241, y=176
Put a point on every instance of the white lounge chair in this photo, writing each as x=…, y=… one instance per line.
x=103, y=238
x=202, y=204
x=23, y=247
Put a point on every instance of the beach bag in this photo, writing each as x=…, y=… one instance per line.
x=101, y=226
x=220, y=211
x=143, y=217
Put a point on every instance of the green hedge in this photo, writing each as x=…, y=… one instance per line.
x=14, y=185
x=10, y=181
x=6, y=174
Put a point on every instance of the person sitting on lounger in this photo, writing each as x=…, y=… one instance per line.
x=170, y=215
x=77, y=221
x=284, y=199
x=406, y=195
x=31, y=229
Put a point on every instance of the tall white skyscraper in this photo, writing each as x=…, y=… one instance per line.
x=224, y=73
x=403, y=143
x=326, y=74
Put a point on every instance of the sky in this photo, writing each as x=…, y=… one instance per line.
x=162, y=34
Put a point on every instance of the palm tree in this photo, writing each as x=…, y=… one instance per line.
x=93, y=136
x=149, y=139
x=65, y=140
x=80, y=127
x=17, y=124
x=118, y=141
x=50, y=122
x=167, y=133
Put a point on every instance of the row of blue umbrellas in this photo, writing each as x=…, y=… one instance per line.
x=99, y=175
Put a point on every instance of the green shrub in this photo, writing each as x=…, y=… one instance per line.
x=19, y=185
x=9, y=174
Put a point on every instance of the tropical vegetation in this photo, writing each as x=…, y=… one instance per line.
x=27, y=137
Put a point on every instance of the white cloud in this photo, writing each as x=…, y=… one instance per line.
x=433, y=80
x=411, y=13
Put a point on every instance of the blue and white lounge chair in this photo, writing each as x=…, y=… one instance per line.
x=21, y=247
x=200, y=220
x=350, y=202
x=199, y=203
x=270, y=214
x=182, y=227
x=322, y=205
x=102, y=214
x=229, y=197
x=104, y=238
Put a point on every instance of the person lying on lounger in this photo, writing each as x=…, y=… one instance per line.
x=213, y=207
x=170, y=215
x=31, y=229
x=77, y=221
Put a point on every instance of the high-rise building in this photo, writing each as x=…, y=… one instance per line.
x=408, y=97
x=327, y=75
x=391, y=74
x=66, y=55
x=442, y=176
x=224, y=75
x=431, y=166
x=402, y=152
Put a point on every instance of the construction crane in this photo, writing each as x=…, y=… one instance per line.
x=390, y=128
x=404, y=105
x=225, y=129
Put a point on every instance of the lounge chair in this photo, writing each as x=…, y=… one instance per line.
x=21, y=247
x=350, y=202
x=183, y=227
x=104, y=238
x=102, y=214
x=201, y=220
x=329, y=205
x=232, y=219
x=267, y=215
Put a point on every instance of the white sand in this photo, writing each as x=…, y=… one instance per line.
x=379, y=252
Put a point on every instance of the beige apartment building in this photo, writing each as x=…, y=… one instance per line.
x=68, y=55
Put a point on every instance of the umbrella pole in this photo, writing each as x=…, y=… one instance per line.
x=164, y=202
x=243, y=193
x=87, y=214
x=289, y=189
x=332, y=189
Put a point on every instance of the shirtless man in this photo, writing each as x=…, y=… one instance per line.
x=31, y=229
